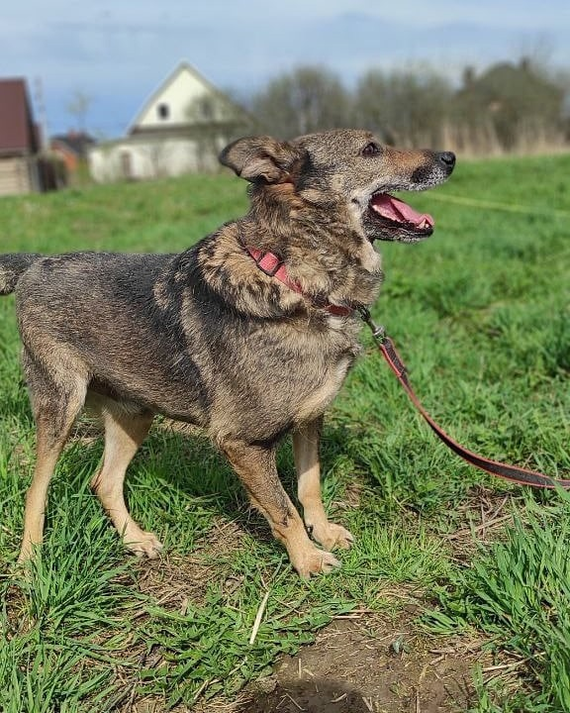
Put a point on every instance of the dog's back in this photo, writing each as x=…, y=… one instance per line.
x=117, y=316
x=12, y=267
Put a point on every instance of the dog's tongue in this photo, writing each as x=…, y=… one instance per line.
x=400, y=212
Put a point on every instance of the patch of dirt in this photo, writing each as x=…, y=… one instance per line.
x=367, y=665
x=362, y=663
x=357, y=665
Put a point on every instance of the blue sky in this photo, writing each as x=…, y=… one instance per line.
x=117, y=53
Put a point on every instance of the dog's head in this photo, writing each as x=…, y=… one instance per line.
x=348, y=170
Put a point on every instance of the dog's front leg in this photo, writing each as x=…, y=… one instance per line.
x=306, y=453
x=255, y=465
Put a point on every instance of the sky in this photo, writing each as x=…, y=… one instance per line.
x=117, y=53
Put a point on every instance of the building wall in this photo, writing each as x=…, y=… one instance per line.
x=15, y=176
x=70, y=159
x=145, y=159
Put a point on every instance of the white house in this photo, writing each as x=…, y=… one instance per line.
x=180, y=129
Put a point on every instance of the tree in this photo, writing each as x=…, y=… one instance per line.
x=407, y=108
x=510, y=106
x=305, y=100
x=521, y=103
x=78, y=106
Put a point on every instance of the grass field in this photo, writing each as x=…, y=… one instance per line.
x=481, y=315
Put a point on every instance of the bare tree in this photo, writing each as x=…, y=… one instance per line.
x=78, y=107
x=304, y=100
x=408, y=108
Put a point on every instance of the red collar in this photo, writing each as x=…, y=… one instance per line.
x=273, y=266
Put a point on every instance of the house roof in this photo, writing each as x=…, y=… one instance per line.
x=17, y=131
x=182, y=68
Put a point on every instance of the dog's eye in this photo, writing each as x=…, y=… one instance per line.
x=371, y=149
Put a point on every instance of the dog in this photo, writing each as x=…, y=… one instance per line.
x=248, y=334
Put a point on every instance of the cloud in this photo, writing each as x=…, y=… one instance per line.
x=118, y=53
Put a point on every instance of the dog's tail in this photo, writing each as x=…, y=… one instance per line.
x=12, y=267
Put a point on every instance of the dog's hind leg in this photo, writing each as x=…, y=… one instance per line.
x=57, y=396
x=255, y=465
x=306, y=453
x=124, y=433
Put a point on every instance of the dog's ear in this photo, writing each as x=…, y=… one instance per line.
x=262, y=158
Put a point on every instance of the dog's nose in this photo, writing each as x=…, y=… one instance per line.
x=447, y=158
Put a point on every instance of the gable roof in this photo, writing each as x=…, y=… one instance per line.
x=17, y=130
x=197, y=86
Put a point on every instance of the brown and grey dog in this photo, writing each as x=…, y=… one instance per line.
x=248, y=334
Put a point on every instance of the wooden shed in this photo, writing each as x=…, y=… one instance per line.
x=19, y=144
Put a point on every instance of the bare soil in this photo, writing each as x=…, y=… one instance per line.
x=364, y=662
x=358, y=665
x=370, y=666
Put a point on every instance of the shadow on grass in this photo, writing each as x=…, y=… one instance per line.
x=178, y=478
x=315, y=696
x=178, y=483
x=195, y=471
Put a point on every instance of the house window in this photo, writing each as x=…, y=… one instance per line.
x=163, y=111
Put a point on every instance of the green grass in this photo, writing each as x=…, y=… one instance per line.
x=517, y=592
x=481, y=315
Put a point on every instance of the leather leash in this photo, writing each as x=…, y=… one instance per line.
x=509, y=472
x=273, y=266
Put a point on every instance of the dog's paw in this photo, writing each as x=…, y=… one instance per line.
x=332, y=536
x=146, y=544
x=315, y=561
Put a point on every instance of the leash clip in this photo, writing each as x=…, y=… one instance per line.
x=378, y=331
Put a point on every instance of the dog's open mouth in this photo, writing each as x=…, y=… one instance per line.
x=399, y=221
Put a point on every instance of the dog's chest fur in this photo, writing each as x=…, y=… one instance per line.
x=279, y=375
x=315, y=403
